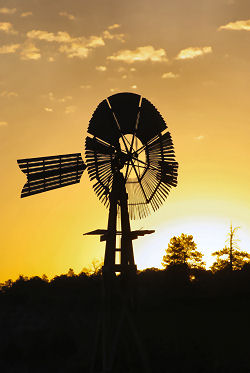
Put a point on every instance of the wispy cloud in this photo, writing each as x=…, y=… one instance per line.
x=101, y=68
x=7, y=10
x=114, y=26
x=48, y=109
x=107, y=35
x=193, y=52
x=53, y=98
x=70, y=109
x=67, y=15
x=7, y=27
x=147, y=53
x=3, y=123
x=134, y=86
x=199, y=138
x=59, y=37
x=72, y=47
x=170, y=75
x=8, y=94
x=8, y=49
x=80, y=46
x=237, y=26
x=94, y=41
x=26, y=14
x=75, y=50
x=30, y=52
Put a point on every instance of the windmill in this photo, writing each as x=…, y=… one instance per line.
x=130, y=160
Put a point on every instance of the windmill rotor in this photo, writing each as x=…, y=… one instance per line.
x=130, y=134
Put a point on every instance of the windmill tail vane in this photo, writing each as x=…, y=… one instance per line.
x=47, y=173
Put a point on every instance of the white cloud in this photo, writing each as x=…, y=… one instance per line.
x=94, y=41
x=59, y=37
x=10, y=48
x=170, y=75
x=70, y=109
x=67, y=15
x=114, y=26
x=26, y=14
x=30, y=52
x=107, y=35
x=199, y=138
x=193, y=52
x=75, y=50
x=101, y=68
x=79, y=46
x=48, y=109
x=132, y=69
x=63, y=37
x=134, y=86
x=72, y=47
x=7, y=10
x=147, y=53
x=3, y=123
x=7, y=27
x=243, y=25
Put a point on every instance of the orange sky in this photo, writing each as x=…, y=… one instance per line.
x=60, y=59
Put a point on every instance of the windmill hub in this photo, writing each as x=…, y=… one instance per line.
x=118, y=160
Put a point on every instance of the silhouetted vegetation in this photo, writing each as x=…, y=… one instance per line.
x=230, y=258
x=183, y=315
x=183, y=250
x=190, y=319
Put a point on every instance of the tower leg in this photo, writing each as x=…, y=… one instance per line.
x=117, y=322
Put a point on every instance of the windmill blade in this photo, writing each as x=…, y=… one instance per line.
x=150, y=123
x=96, y=145
x=47, y=173
x=125, y=107
x=103, y=125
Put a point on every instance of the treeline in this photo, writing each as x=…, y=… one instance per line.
x=189, y=319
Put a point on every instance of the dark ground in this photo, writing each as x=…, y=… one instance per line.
x=201, y=325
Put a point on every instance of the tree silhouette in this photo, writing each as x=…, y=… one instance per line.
x=183, y=250
x=229, y=257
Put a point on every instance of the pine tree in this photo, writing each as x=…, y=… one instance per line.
x=183, y=250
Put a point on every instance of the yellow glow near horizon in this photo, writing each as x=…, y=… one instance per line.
x=56, y=70
x=209, y=234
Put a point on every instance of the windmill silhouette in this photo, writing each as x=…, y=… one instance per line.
x=130, y=159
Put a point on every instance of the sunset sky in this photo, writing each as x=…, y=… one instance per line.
x=59, y=59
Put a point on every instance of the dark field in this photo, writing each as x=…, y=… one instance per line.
x=193, y=326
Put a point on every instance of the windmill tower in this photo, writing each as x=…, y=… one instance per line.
x=130, y=159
